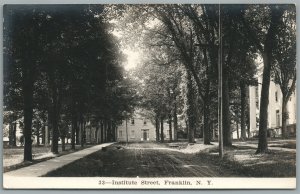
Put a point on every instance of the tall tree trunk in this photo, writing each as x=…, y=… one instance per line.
x=162, y=129
x=175, y=120
x=157, y=128
x=207, y=99
x=109, y=131
x=187, y=125
x=105, y=131
x=264, y=102
x=14, y=143
x=190, y=109
x=267, y=60
x=54, y=119
x=63, y=145
x=77, y=137
x=243, y=103
x=47, y=134
x=102, y=131
x=90, y=134
x=284, y=117
x=227, y=140
x=28, y=115
x=212, y=130
x=74, y=126
x=206, y=130
x=85, y=135
x=10, y=134
x=54, y=145
x=113, y=130
x=96, y=133
x=237, y=129
x=170, y=127
x=38, y=134
x=82, y=132
x=43, y=135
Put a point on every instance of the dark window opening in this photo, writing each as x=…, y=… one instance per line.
x=277, y=118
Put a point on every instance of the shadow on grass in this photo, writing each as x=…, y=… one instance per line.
x=244, y=161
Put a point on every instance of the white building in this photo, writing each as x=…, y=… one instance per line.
x=6, y=129
x=139, y=129
x=274, y=108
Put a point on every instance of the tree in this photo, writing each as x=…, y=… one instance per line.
x=284, y=66
x=263, y=36
x=193, y=58
x=23, y=32
x=238, y=66
x=154, y=94
x=191, y=113
x=62, y=67
x=175, y=29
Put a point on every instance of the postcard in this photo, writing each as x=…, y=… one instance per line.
x=149, y=96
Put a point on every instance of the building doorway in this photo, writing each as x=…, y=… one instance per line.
x=145, y=135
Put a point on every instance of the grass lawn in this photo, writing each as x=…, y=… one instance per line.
x=242, y=159
x=13, y=157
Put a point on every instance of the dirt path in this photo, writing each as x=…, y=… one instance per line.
x=143, y=160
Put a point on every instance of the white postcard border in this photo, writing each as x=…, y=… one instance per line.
x=11, y=182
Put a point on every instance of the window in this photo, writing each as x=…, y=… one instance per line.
x=132, y=121
x=120, y=134
x=277, y=118
x=276, y=96
x=145, y=122
x=132, y=134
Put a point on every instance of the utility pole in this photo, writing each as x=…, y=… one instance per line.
x=220, y=90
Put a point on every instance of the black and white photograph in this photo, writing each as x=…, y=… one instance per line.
x=149, y=96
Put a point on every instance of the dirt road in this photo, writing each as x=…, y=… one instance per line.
x=143, y=160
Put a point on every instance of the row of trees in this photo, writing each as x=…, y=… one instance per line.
x=187, y=42
x=62, y=66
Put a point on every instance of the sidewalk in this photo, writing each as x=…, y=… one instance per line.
x=43, y=168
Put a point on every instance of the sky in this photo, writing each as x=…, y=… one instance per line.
x=132, y=55
x=133, y=58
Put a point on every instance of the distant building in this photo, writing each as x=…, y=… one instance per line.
x=139, y=129
x=274, y=109
x=18, y=130
x=17, y=126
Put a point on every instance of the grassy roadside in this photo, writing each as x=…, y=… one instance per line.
x=13, y=157
x=241, y=157
x=244, y=161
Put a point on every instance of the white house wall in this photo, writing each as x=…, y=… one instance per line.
x=136, y=131
x=292, y=109
x=274, y=106
x=253, y=109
